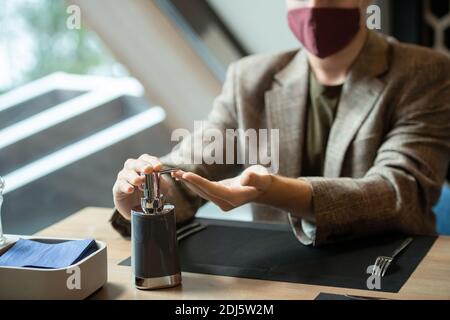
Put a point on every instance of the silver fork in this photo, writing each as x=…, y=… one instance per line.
x=382, y=263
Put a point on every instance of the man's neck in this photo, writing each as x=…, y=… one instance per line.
x=333, y=70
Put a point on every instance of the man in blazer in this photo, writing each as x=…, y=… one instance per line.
x=387, y=150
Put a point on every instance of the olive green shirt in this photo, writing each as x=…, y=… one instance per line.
x=321, y=111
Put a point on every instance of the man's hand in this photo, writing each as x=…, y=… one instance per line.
x=255, y=184
x=230, y=193
x=127, y=190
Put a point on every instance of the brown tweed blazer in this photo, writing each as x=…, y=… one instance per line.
x=388, y=149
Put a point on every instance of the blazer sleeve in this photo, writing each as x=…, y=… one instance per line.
x=222, y=117
x=405, y=182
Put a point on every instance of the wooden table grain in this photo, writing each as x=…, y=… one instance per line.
x=431, y=279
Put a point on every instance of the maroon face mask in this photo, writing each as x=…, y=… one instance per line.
x=324, y=31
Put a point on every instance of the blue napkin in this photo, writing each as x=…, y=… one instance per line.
x=29, y=253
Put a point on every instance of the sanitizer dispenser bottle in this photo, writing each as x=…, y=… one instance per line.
x=155, y=259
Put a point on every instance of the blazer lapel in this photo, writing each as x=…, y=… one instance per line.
x=286, y=111
x=357, y=101
x=360, y=93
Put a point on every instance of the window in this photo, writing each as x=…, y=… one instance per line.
x=68, y=114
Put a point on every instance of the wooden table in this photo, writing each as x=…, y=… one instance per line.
x=431, y=280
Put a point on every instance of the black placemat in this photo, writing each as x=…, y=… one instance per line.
x=271, y=252
x=341, y=297
x=332, y=296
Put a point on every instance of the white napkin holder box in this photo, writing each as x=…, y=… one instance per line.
x=75, y=282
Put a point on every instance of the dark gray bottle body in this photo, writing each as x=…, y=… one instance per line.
x=155, y=249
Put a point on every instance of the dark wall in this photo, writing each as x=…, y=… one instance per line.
x=407, y=20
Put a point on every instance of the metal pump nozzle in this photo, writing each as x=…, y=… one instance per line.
x=153, y=201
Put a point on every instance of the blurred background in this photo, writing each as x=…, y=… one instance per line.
x=75, y=75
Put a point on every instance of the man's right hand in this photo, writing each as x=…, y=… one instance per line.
x=127, y=190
